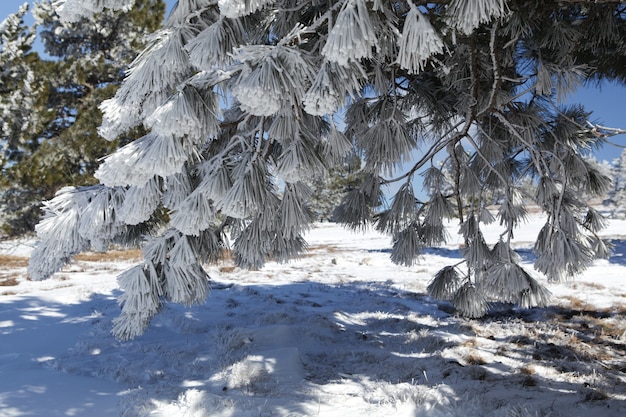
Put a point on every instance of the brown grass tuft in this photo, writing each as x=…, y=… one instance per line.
x=226, y=269
x=578, y=304
x=12, y=261
x=320, y=248
x=470, y=343
x=9, y=281
x=110, y=256
x=473, y=359
x=593, y=285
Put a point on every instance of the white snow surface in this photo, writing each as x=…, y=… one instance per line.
x=340, y=332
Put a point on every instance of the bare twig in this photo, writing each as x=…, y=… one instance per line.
x=603, y=131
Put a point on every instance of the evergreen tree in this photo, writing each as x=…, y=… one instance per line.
x=239, y=98
x=328, y=191
x=617, y=196
x=62, y=146
x=16, y=80
x=18, y=90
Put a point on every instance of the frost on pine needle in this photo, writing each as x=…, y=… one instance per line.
x=171, y=272
x=183, y=10
x=469, y=180
x=142, y=159
x=387, y=143
x=477, y=253
x=76, y=220
x=299, y=159
x=99, y=219
x=358, y=205
x=560, y=255
x=547, y=191
x=140, y=301
x=140, y=202
x=118, y=118
x=407, y=245
x=285, y=249
x=273, y=77
x=509, y=282
x=58, y=233
x=194, y=214
x=352, y=37
x=215, y=44
x=250, y=189
x=295, y=213
x=470, y=301
x=185, y=284
x=467, y=15
x=335, y=146
x=438, y=209
x=237, y=8
x=332, y=86
x=602, y=248
x=74, y=10
x=536, y=295
x=252, y=246
x=445, y=283
x=150, y=80
x=433, y=234
x=186, y=114
x=156, y=249
x=216, y=179
x=284, y=129
x=177, y=188
x=418, y=41
x=503, y=252
x=434, y=179
x=403, y=211
x=512, y=211
x=211, y=245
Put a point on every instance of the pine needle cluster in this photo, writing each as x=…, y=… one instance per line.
x=247, y=101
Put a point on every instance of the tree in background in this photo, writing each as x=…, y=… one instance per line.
x=616, y=198
x=52, y=139
x=16, y=79
x=327, y=191
x=18, y=91
x=239, y=98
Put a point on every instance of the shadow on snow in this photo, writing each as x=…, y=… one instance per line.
x=378, y=339
x=35, y=334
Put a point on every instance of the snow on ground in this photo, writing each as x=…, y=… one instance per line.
x=341, y=332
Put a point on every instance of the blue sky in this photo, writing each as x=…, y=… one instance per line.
x=608, y=103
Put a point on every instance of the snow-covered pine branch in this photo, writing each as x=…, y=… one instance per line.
x=467, y=15
x=74, y=10
x=242, y=99
x=418, y=41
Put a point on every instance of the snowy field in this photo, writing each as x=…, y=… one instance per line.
x=341, y=332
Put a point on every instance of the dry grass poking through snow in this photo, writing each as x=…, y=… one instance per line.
x=12, y=261
x=7, y=280
x=111, y=256
x=8, y=264
x=13, y=267
x=560, y=346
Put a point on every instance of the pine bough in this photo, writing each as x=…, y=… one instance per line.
x=242, y=101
